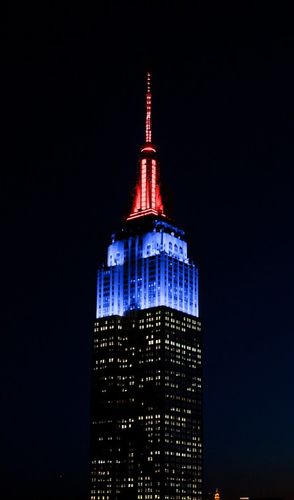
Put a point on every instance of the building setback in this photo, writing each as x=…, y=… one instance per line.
x=146, y=408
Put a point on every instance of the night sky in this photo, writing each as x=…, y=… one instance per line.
x=72, y=121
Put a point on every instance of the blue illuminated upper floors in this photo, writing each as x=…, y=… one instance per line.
x=148, y=270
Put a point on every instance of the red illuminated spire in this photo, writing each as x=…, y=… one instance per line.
x=148, y=125
x=147, y=200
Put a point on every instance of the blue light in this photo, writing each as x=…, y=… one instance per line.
x=148, y=270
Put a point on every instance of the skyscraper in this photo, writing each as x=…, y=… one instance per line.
x=146, y=411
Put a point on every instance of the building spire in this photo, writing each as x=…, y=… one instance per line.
x=147, y=199
x=148, y=124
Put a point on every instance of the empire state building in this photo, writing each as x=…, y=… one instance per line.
x=146, y=405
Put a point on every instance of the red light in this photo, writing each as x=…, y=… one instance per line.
x=148, y=132
x=147, y=198
x=148, y=148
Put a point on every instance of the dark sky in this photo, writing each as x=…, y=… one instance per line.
x=72, y=120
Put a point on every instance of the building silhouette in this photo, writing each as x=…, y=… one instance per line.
x=146, y=408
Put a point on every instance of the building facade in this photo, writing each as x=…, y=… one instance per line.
x=146, y=409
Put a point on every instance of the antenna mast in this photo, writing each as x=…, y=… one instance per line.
x=148, y=131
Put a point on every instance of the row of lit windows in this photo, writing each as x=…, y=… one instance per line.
x=183, y=347
x=99, y=328
x=170, y=317
x=150, y=492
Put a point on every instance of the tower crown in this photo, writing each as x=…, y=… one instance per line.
x=147, y=261
x=147, y=199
